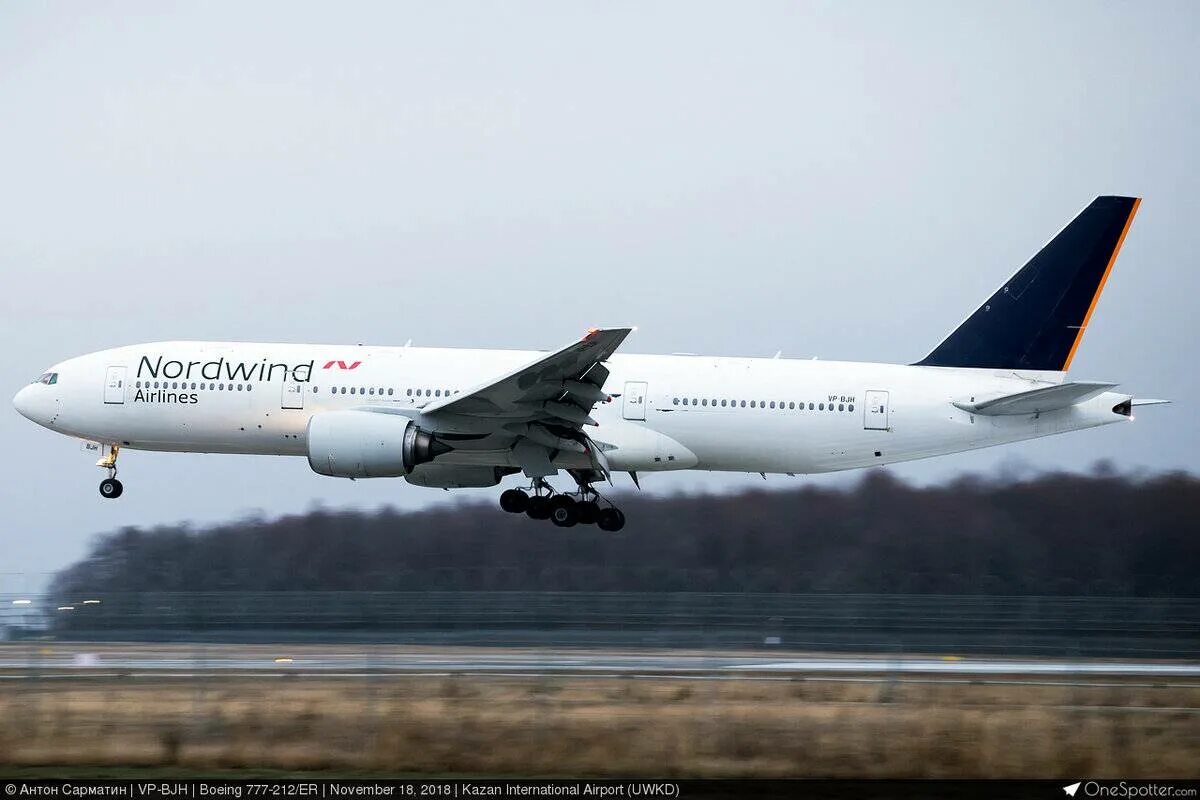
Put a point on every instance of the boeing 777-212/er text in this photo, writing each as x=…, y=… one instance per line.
x=452, y=418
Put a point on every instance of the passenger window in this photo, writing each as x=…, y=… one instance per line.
x=724, y=403
x=753, y=404
x=743, y=404
x=429, y=392
x=372, y=390
x=389, y=392
x=704, y=402
x=438, y=393
x=772, y=404
x=850, y=407
x=841, y=407
x=791, y=406
x=810, y=406
x=674, y=401
x=822, y=407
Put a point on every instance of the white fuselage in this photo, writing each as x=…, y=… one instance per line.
x=667, y=412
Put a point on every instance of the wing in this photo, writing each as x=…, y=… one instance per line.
x=546, y=402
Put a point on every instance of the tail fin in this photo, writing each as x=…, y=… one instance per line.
x=1036, y=320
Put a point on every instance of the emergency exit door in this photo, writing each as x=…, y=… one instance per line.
x=114, y=385
x=875, y=411
x=634, y=400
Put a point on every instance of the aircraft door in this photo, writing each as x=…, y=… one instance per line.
x=633, y=401
x=114, y=385
x=875, y=411
x=293, y=395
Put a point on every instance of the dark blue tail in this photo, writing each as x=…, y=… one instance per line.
x=1036, y=320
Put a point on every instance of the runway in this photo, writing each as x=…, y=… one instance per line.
x=24, y=659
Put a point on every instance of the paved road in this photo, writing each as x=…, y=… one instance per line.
x=353, y=659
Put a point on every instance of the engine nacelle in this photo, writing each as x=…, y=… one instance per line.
x=456, y=476
x=368, y=444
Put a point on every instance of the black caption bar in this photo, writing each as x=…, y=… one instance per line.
x=434, y=789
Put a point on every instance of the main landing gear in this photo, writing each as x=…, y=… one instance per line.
x=564, y=510
x=110, y=487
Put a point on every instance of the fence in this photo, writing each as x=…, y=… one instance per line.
x=1055, y=626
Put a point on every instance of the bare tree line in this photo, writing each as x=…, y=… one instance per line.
x=1053, y=534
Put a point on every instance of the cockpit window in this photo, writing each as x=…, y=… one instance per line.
x=48, y=378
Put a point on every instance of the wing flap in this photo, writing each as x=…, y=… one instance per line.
x=1036, y=401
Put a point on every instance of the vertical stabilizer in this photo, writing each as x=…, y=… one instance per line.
x=1036, y=320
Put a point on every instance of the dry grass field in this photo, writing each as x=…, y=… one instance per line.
x=543, y=726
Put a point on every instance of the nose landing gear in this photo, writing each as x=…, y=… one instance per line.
x=110, y=487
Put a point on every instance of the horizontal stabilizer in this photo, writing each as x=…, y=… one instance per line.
x=1147, y=402
x=1035, y=401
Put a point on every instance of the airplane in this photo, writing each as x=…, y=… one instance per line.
x=455, y=418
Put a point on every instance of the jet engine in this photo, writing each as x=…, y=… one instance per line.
x=368, y=444
x=453, y=476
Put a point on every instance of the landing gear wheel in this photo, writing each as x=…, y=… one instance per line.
x=539, y=508
x=111, y=488
x=610, y=519
x=563, y=511
x=514, y=501
x=588, y=512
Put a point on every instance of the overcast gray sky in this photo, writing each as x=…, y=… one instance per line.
x=846, y=180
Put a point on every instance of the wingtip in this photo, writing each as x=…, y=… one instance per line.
x=594, y=332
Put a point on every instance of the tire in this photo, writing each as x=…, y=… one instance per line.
x=610, y=519
x=588, y=512
x=564, y=514
x=514, y=501
x=111, y=488
x=539, y=508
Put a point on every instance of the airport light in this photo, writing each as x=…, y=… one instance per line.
x=91, y=602
x=22, y=602
x=66, y=608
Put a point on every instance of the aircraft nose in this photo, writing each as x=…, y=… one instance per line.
x=24, y=402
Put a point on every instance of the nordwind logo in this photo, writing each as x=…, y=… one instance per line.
x=341, y=365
